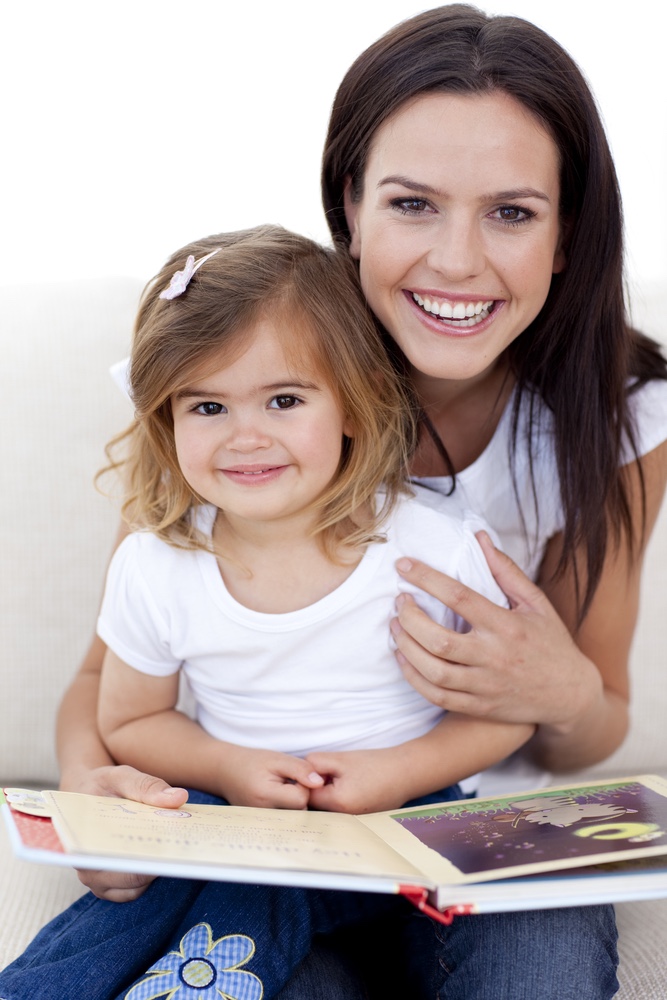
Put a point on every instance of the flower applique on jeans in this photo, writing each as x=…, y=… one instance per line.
x=202, y=969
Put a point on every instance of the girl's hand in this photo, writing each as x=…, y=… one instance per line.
x=515, y=665
x=358, y=781
x=125, y=783
x=266, y=778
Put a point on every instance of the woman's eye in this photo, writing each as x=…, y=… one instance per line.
x=284, y=402
x=513, y=215
x=209, y=409
x=410, y=206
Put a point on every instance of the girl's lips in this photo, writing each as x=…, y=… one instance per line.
x=463, y=317
x=253, y=475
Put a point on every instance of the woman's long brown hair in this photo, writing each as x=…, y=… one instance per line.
x=579, y=356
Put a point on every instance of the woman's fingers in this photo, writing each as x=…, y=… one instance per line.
x=462, y=600
x=507, y=667
x=115, y=887
x=519, y=589
x=128, y=783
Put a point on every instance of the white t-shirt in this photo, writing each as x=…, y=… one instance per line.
x=320, y=678
x=525, y=521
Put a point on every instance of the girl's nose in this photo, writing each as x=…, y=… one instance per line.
x=245, y=434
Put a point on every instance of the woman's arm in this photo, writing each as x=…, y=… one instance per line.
x=86, y=766
x=522, y=664
x=363, y=781
x=139, y=724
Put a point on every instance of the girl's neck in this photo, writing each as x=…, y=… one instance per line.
x=276, y=567
x=463, y=414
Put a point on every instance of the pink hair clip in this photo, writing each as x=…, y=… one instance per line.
x=181, y=279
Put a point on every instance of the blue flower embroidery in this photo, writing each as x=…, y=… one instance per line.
x=202, y=969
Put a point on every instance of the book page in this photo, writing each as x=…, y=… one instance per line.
x=478, y=840
x=229, y=836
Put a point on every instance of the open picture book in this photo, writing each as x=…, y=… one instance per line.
x=564, y=846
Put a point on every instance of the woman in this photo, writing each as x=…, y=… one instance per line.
x=467, y=171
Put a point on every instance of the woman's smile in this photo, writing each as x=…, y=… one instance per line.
x=456, y=317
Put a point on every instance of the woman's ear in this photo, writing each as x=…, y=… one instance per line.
x=560, y=254
x=352, y=217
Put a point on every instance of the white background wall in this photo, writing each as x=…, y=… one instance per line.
x=132, y=126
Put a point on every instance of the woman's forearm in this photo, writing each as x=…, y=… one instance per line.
x=590, y=738
x=78, y=743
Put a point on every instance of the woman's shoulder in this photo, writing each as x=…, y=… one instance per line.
x=647, y=404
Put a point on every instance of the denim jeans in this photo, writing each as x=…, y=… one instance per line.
x=202, y=941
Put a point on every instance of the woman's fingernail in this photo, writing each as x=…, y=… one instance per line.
x=395, y=627
x=404, y=565
x=314, y=776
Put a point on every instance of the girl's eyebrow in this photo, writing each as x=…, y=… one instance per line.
x=509, y=195
x=195, y=393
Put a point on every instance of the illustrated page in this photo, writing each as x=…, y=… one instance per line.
x=484, y=839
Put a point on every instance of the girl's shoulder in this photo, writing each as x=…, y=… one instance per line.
x=147, y=554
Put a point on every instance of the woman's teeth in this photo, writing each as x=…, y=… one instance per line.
x=462, y=313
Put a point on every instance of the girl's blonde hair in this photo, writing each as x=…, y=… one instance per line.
x=312, y=296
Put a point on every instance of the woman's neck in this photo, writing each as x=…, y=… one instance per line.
x=463, y=414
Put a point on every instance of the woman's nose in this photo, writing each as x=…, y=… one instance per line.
x=457, y=251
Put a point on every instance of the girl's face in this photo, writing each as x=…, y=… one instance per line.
x=457, y=232
x=256, y=438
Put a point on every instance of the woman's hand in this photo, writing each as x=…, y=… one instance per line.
x=126, y=783
x=515, y=665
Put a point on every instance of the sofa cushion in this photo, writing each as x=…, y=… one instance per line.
x=59, y=407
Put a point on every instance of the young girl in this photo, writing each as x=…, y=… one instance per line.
x=264, y=474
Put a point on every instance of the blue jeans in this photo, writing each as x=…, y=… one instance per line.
x=187, y=940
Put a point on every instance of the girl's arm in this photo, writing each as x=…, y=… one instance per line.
x=141, y=727
x=522, y=664
x=361, y=781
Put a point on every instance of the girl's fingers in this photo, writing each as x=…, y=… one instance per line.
x=295, y=769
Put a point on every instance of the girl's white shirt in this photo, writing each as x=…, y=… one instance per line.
x=320, y=678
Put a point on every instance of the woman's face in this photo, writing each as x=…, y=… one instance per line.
x=457, y=231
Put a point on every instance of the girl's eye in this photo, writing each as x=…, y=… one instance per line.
x=284, y=402
x=209, y=409
x=513, y=215
x=410, y=206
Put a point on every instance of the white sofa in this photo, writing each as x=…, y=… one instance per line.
x=58, y=408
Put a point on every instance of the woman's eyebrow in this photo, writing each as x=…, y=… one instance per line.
x=408, y=182
x=509, y=195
